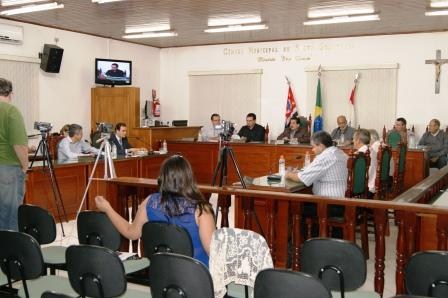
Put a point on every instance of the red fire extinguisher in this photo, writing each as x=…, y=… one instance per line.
x=155, y=104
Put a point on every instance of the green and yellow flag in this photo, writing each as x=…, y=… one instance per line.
x=318, y=120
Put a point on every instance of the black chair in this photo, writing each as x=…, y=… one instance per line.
x=273, y=283
x=409, y=296
x=179, y=276
x=426, y=273
x=95, y=228
x=340, y=264
x=96, y=271
x=21, y=259
x=165, y=237
x=40, y=224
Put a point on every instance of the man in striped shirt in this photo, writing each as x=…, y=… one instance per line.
x=328, y=171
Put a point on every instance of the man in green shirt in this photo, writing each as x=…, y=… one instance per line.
x=13, y=158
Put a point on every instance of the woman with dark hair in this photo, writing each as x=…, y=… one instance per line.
x=178, y=202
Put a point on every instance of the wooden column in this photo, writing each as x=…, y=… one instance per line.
x=296, y=237
x=380, y=218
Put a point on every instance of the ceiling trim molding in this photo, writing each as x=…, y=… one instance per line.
x=20, y=58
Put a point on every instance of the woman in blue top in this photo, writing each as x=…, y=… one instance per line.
x=178, y=202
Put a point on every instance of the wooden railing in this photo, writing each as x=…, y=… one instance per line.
x=407, y=209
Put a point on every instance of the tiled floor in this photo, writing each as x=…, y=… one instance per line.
x=389, y=289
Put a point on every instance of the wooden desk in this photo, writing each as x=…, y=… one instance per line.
x=72, y=177
x=255, y=160
x=152, y=135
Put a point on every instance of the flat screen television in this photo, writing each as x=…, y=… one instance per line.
x=113, y=72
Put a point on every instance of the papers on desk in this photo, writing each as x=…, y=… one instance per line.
x=124, y=256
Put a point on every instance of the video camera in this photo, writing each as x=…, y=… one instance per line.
x=227, y=128
x=103, y=127
x=43, y=127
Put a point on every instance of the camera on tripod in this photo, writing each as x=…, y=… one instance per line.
x=227, y=128
x=43, y=127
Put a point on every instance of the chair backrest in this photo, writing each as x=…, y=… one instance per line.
x=95, y=271
x=399, y=157
x=325, y=257
x=382, y=171
x=426, y=274
x=174, y=275
x=165, y=237
x=22, y=258
x=273, y=283
x=237, y=256
x=358, y=174
x=95, y=228
x=50, y=294
x=37, y=222
x=53, y=142
x=393, y=138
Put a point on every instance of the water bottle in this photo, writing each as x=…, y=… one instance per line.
x=114, y=151
x=164, y=147
x=281, y=166
x=342, y=139
x=307, y=159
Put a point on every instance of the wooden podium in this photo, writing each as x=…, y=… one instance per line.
x=152, y=135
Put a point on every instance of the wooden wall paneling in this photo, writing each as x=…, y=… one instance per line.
x=150, y=167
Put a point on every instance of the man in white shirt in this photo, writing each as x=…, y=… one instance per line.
x=212, y=131
x=328, y=171
x=374, y=148
x=73, y=146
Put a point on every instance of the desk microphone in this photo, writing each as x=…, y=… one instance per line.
x=143, y=141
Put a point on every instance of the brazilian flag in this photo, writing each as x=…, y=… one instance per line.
x=318, y=120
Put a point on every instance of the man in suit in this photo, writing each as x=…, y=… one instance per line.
x=252, y=132
x=343, y=129
x=120, y=140
x=295, y=131
x=437, y=142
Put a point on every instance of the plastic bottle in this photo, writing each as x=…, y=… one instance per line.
x=281, y=166
x=307, y=159
x=342, y=139
x=114, y=151
x=164, y=147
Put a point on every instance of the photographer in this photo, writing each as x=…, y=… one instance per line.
x=72, y=146
x=13, y=158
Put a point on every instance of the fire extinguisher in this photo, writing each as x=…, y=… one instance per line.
x=155, y=104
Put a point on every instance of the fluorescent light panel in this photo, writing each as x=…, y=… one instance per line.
x=344, y=19
x=147, y=28
x=341, y=8
x=233, y=20
x=32, y=8
x=234, y=28
x=150, y=35
x=436, y=12
x=438, y=4
x=19, y=2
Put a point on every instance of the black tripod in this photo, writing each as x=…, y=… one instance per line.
x=47, y=163
x=221, y=169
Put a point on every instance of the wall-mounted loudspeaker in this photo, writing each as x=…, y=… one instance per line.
x=51, y=58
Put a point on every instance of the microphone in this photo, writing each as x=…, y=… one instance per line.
x=143, y=141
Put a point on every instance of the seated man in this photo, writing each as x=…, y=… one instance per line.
x=73, y=146
x=295, y=131
x=211, y=132
x=361, y=142
x=328, y=171
x=120, y=140
x=252, y=132
x=437, y=141
x=342, y=130
x=400, y=127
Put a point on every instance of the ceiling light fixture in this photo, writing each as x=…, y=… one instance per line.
x=105, y=1
x=19, y=2
x=147, y=28
x=341, y=8
x=343, y=19
x=442, y=12
x=32, y=8
x=234, y=28
x=233, y=20
x=439, y=4
x=150, y=35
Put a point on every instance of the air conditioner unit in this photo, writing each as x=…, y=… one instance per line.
x=11, y=34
